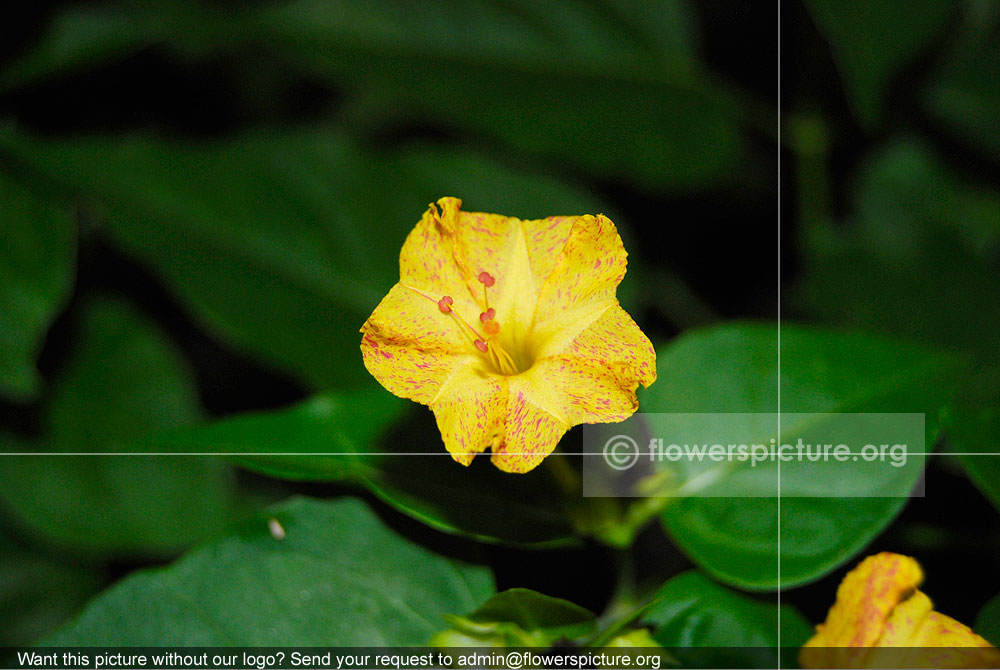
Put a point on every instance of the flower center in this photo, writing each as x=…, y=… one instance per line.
x=488, y=344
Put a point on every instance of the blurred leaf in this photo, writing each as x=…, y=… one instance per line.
x=518, y=618
x=291, y=228
x=338, y=577
x=988, y=621
x=972, y=424
x=734, y=369
x=124, y=380
x=966, y=97
x=873, y=39
x=37, y=255
x=79, y=37
x=415, y=475
x=914, y=259
x=609, y=87
x=906, y=192
x=38, y=593
x=694, y=614
x=512, y=72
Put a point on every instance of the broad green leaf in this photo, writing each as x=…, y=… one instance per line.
x=347, y=424
x=292, y=228
x=527, y=75
x=38, y=593
x=872, y=39
x=37, y=257
x=988, y=621
x=690, y=614
x=912, y=214
x=972, y=425
x=734, y=369
x=338, y=577
x=124, y=380
x=518, y=618
x=408, y=468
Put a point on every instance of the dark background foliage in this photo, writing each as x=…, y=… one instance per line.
x=664, y=115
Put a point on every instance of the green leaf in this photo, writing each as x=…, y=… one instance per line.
x=734, y=369
x=38, y=593
x=527, y=75
x=524, y=75
x=906, y=192
x=409, y=468
x=972, y=424
x=338, y=577
x=912, y=214
x=966, y=95
x=347, y=423
x=37, y=255
x=81, y=37
x=873, y=39
x=988, y=621
x=518, y=618
x=125, y=379
x=281, y=228
x=691, y=612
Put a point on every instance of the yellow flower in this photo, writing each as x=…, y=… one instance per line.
x=878, y=605
x=509, y=330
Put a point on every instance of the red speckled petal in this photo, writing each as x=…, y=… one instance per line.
x=865, y=598
x=613, y=340
x=544, y=240
x=580, y=390
x=410, y=347
x=428, y=261
x=532, y=431
x=471, y=409
x=878, y=607
x=583, y=282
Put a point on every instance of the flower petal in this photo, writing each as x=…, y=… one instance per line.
x=913, y=626
x=580, y=390
x=410, y=347
x=905, y=620
x=614, y=339
x=865, y=598
x=532, y=431
x=427, y=259
x=943, y=631
x=545, y=240
x=497, y=245
x=582, y=284
x=470, y=408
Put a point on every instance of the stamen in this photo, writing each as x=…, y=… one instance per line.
x=501, y=360
x=444, y=304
